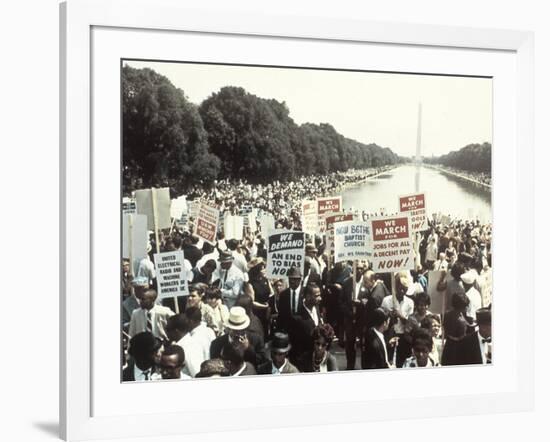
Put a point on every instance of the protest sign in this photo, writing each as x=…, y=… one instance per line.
x=351, y=241
x=330, y=220
x=267, y=224
x=157, y=208
x=445, y=220
x=415, y=206
x=285, y=249
x=251, y=219
x=309, y=217
x=437, y=298
x=134, y=239
x=128, y=206
x=485, y=282
x=392, y=244
x=206, y=226
x=178, y=207
x=233, y=227
x=193, y=209
x=327, y=205
x=171, y=274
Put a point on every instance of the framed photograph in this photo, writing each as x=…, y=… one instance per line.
x=326, y=209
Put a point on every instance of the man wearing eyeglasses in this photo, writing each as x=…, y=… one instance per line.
x=238, y=335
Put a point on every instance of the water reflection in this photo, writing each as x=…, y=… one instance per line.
x=444, y=193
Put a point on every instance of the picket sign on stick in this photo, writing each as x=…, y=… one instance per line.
x=392, y=244
x=354, y=276
x=352, y=241
x=157, y=243
x=155, y=217
x=134, y=239
x=130, y=245
x=285, y=249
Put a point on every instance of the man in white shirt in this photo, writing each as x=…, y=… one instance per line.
x=228, y=278
x=177, y=328
x=441, y=263
x=431, y=250
x=146, y=268
x=150, y=317
x=239, y=259
x=469, y=279
x=198, y=332
x=400, y=307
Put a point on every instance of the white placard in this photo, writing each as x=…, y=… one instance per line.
x=233, y=227
x=144, y=204
x=134, y=238
x=285, y=249
x=352, y=241
x=171, y=274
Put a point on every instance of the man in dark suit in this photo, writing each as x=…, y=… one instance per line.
x=302, y=324
x=251, y=343
x=279, y=364
x=290, y=299
x=190, y=250
x=375, y=354
x=376, y=292
x=143, y=351
x=352, y=311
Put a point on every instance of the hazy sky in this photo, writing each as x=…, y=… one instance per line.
x=368, y=107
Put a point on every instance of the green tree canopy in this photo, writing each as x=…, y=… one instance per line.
x=164, y=141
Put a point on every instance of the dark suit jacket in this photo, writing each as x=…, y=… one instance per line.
x=374, y=297
x=374, y=356
x=249, y=370
x=266, y=368
x=346, y=300
x=128, y=372
x=285, y=315
x=306, y=362
x=301, y=327
x=193, y=254
x=254, y=354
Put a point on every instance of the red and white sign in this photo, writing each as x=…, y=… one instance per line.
x=327, y=205
x=206, y=226
x=392, y=245
x=415, y=206
x=332, y=219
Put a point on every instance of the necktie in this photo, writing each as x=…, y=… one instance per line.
x=292, y=307
x=146, y=374
x=484, y=341
x=149, y=322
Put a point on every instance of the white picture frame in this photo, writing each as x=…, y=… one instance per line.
x=81, y=413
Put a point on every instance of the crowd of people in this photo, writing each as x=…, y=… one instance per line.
x=479, y=177
x=235, y=321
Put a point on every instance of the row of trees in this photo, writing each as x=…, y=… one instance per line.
x=232, y=134
x=473, y=158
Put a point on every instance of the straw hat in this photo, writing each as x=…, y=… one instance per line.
x=238, y=319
